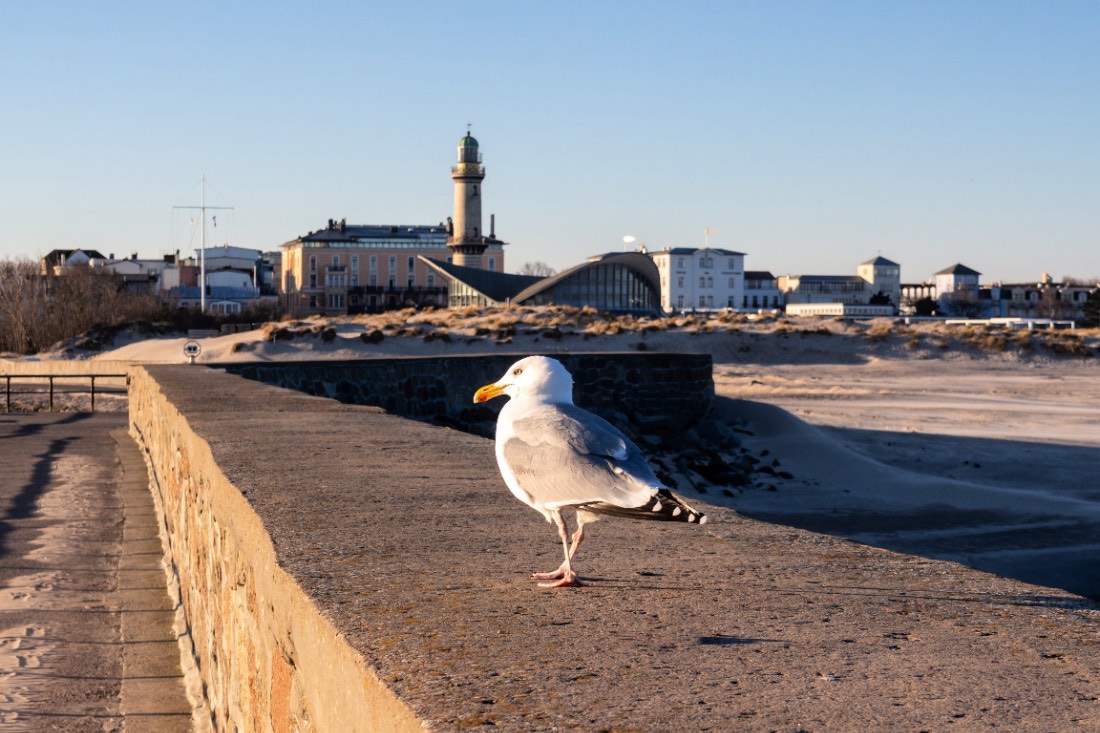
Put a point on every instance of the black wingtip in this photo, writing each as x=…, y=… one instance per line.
x=663, y=506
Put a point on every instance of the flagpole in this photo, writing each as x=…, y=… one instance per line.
x=202, y=207
x=202, y=244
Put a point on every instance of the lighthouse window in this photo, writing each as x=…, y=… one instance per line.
x=475, y=190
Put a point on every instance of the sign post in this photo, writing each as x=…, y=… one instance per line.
x=191, y=350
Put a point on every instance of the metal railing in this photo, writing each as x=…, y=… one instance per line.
x=61, y=385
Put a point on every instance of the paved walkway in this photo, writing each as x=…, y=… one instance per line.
x=86, y=625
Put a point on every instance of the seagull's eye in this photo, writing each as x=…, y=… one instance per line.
x=517, y=372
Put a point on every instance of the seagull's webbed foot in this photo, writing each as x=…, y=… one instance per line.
x=564, y=576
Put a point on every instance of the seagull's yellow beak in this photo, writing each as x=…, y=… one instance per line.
x=488, y=392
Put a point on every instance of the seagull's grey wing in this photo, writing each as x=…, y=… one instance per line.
x=564, y=456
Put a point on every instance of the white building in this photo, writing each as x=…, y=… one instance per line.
x=700, y=279
x=761, y=292
x=878, y=282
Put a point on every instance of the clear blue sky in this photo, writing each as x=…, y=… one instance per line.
x=811, y=135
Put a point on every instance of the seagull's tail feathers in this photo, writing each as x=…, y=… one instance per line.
x=663, y=505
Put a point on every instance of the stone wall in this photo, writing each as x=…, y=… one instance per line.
x=268, y=656
x=268, y=659
x=343, y=569
x=639, y=392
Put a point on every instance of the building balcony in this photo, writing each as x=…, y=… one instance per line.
x=468, y=169
x=396, y=290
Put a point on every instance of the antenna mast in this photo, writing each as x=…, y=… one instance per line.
x=202, y=207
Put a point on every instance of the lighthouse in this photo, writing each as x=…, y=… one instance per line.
x=465, y=237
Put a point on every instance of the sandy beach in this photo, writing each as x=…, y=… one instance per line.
x=980, y=446
x=994, y=466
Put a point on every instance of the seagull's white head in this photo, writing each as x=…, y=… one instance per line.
x=536, y=377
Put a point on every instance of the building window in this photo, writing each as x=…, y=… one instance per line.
x=355, y=263
x=702, y=282
x=336, y=262
x=355, y=279
x=372, y=280
x=733, y=282
x=393, y=280
x=679, y=282
x=412, y=263
x=313, y=279
x=431, y=279
x=706, y=262
x=412, y=281
x=374, y=263
x=680, y=301
x=702, y=301
x=393, y=268
x=313, y=263
x=680, y=262
x=336, y=300
x=710, y=282
x=492, y=264
x=733, y=264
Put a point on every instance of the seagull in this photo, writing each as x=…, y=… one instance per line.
x=554, y=455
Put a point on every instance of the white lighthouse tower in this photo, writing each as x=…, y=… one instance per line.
x=466, y=238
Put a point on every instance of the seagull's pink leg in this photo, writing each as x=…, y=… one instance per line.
x=564, y=575
x=578, y=537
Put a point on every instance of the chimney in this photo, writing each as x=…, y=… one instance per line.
x=492, y=226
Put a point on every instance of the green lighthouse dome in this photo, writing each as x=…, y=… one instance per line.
x=467, y=142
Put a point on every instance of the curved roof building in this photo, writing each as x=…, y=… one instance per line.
x=625, y=282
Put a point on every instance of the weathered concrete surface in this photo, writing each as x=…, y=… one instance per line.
x=86, y=626
x=405, y=540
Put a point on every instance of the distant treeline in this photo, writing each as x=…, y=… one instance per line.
x=37, y=311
